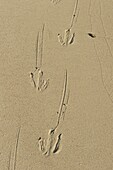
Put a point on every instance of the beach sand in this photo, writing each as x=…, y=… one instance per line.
x=27, y=114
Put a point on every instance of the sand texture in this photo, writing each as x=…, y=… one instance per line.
x=56, y=85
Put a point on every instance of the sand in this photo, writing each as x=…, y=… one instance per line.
x=27, y=114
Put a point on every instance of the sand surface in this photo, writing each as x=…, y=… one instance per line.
x=27, y=114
